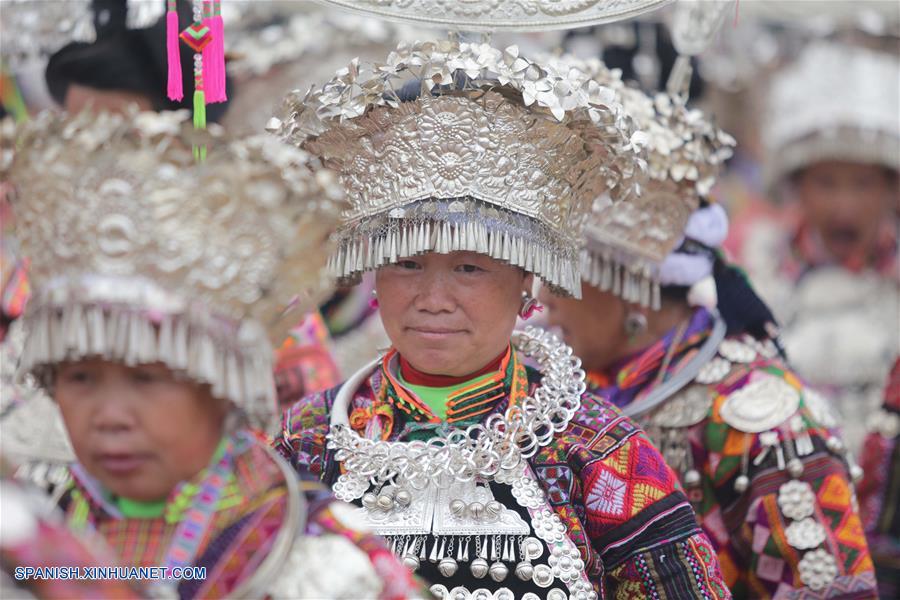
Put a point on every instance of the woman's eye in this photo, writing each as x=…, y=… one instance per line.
x=146, y=377
x=77, y=376
x=408, y=264
x=469, y=268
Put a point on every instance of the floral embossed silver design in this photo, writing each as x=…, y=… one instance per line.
x=687, y=407
x=764, y=403
x=141, y=254
x=817, y=569
x=518, y=15
x=805, y=534
x=796, y=499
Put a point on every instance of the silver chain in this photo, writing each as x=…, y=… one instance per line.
x=481, y=450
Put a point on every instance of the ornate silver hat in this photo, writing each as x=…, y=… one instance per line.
x=510, y=15
x=836, y=102
x=138, y=254
x=495, y=154
x=627, y=240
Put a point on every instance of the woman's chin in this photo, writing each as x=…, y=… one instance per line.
x=433, y=361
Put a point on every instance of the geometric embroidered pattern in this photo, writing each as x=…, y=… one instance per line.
x=607, y=495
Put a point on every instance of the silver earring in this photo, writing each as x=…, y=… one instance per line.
x=635, y=323
x=529, y=306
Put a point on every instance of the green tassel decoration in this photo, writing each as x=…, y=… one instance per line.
x=199, y=109
x=199, y=122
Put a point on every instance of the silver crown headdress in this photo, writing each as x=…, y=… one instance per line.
x=138, y=254
x=494, y=155
x=626, y=241
x=836, y=102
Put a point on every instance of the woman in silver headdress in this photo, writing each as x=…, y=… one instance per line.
x=829, y=265
x=473, y=449
x=678, y=340
x=155, y=296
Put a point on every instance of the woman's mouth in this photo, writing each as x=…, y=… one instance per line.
x=435, y=333
x=120, y=463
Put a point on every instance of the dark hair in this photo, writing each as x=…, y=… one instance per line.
x=739, y=305
x=132, y=60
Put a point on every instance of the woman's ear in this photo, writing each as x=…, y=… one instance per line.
x=528, y=283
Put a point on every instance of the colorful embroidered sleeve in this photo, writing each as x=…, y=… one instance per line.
x=776, y=498
x=302, y=439
x=638, y=521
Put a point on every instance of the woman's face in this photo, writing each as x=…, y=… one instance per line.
x=593, y=326
x=450, y=314
x=138, y=430
x=846, y=203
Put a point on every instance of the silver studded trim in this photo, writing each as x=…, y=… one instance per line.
x=737, y=351
x=714, y=371
x=548, y=526
x=528, y=492
x=684, y=409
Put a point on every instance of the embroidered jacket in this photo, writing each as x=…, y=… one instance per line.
x=618, y=501
x=879, y=490
x=254, y=547
x=761, y=461
x=37, y=540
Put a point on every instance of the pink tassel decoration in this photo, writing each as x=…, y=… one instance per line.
x=216, y=57
x=174, y=89
x=209, y=76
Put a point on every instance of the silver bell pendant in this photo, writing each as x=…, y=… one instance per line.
x=498, y=571
x=448, y=567
x=525, y=570
x=410, y=561
x=479, y=568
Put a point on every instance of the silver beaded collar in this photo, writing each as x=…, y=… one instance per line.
x=482, y=451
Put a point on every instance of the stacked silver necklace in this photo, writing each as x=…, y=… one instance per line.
x=481, y=451
x=440, y=487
